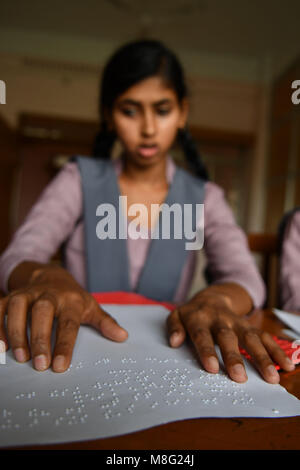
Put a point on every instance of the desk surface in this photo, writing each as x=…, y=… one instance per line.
x=214, y=433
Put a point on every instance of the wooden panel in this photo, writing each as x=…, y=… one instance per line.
x=52, y=128
x=279, y=150
x=41, y=140
x=275, y=205
x=282, y=191
x=282, y=91
x=228, y=158
x=221, y=137
x=7, y=166
x=297, y=175
x=277, y=172
x=35, y=170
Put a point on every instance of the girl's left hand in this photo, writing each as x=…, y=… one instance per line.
x=209, y=320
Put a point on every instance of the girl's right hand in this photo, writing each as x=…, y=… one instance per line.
x=51, y=293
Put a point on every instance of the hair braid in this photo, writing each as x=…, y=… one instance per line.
x=104, y=142
x=192, y=154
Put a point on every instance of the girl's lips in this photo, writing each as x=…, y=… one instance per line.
x=148, y=151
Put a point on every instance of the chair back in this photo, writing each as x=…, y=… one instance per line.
x=265, y=246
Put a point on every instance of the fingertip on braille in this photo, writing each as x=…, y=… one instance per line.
x=212, y=364
x=175, y=339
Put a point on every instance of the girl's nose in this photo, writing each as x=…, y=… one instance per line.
x=148, y=125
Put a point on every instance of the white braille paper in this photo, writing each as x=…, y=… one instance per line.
x=116, y=388
x=290, y=319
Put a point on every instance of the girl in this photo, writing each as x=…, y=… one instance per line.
x=144, y=104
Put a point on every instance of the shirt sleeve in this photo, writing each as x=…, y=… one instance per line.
x=226, y=247
x=49, y=222
x=289, y=276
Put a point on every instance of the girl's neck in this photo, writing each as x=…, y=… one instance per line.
x=154, y=175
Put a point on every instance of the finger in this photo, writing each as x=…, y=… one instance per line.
x=204, y=345
x=175, y=328
x=277, y=354
x=260, y=356
x=228, y=342
x=3, y=306
x=42, y=315
x=106, y=324
x=17, y=309
x=66, y=333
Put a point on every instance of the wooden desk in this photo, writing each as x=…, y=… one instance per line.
x=213, y=433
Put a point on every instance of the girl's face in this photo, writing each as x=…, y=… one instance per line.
x=146, y=119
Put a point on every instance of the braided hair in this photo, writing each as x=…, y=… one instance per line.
x=129, y=65
x=104, y=141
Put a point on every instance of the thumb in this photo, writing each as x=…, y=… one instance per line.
x=107, y=325
x=176, y=330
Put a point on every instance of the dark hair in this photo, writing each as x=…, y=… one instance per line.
x=129, y=65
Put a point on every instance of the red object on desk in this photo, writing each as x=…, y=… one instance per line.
x=130, y=298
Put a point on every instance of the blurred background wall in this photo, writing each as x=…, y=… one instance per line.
x=240, y=58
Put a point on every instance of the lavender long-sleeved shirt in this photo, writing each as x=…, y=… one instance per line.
x=289, y=278
x=53, y=218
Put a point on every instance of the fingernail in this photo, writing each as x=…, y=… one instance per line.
x=20, y=354
x=212, y=364
x=120, y=335
x=59, y=364
x=290, y=363
x=40, y=362
x=239, y=370
x=174, y=338
x=271, y=370
x=124, y=334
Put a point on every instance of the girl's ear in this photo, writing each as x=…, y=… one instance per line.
x=185, y=106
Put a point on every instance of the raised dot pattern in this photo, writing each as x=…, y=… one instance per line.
x=119, y=389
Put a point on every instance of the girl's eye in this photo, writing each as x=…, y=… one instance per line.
x=162, y=112
x=131, y=112
x=128, y=112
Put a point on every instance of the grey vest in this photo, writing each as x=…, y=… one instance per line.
x=107, y=263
